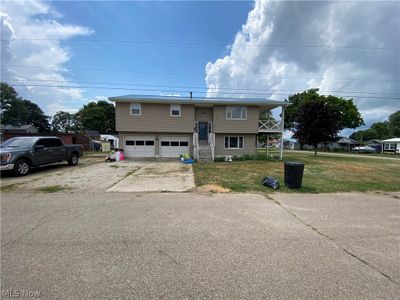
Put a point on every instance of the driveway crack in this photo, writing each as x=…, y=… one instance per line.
x=332, y=240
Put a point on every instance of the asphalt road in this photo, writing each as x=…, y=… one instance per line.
x=170, y=246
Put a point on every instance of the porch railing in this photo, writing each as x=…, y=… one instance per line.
x=211, y=140
x=196, y=145
x=269, y=125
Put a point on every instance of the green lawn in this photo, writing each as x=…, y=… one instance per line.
x=321, y=174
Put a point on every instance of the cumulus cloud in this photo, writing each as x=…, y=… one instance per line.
x=351, y=29
x=32, y=36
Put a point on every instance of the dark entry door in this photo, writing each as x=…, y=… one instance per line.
x=203, y=131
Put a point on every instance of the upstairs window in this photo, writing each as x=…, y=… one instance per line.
x=175, y=110
x=136, y=109
x=236, y=113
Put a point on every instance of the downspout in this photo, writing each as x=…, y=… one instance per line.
x=282, y=129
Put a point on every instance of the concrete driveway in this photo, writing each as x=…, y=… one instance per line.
x=158, y=177
x=95, y=175
x=100, y=245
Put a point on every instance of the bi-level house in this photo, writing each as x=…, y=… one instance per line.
x=164, y=126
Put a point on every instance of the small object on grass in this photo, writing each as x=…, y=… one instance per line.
x=271, y=182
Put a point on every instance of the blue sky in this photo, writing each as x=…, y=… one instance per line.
x=193, y=22
x=259, y=48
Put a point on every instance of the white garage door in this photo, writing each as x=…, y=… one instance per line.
x=139, y=146
x=173, y=146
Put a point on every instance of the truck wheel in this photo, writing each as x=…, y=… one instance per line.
x=21, y=167
x=73, y=160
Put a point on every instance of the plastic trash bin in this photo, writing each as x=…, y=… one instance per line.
x=293, y=174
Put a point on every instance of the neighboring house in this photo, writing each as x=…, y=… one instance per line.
x=342, y=143
x=93, y=135
x=291, y=144
x=376, y=144
x=19, y=129
x=391, y=145
x=160, y=126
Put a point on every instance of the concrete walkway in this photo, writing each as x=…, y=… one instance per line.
x=158, y=177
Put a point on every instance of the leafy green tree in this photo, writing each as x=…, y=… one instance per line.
x=317, y=118
x=381, y=129
x=66, y=122
x=348, y=114
x=98, y=116
x=364, y=135
x=394, y=124
x=18, y=111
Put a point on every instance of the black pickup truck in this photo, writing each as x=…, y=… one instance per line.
x=20, y=154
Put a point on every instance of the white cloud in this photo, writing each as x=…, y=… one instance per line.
x=104, y=98
x=337, y=24
x=37, y=20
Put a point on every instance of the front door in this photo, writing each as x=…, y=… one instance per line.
x=203, y=131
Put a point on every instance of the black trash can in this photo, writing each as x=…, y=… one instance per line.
x=293, y=174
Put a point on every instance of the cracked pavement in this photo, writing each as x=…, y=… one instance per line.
x=76, y=245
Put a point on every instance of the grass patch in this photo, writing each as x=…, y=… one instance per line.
x=8, y=187
x=52, y=189
x=322, y=174
x=114, y=166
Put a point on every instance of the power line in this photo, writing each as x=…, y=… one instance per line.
x=175, y=91
x=200, y=87
x=182, y=43
x=192, y=74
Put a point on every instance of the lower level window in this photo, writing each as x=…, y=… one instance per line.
x=233, y=142
x=390, y=146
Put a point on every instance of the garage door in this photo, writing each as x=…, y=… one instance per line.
x=139, y=146
x=173, y=146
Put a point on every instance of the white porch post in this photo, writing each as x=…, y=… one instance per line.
x=282, y=129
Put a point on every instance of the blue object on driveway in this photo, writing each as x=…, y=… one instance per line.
x=189, y=161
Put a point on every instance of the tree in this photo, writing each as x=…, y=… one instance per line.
x=66, y=122
x=317, y=118
x=98, y=116
x=394, y=124
x=349, y=116
x=380, y=130
x=17, y=111
x=364, y=135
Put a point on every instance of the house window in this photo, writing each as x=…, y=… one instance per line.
x=236, y=113
x=175, y=110
x=136, y=109
x=390, y=146
x=233, y=142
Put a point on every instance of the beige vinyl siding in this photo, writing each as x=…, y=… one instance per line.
x=249, y=145
x=222, y=125
x=204, y=114
x=154, y=118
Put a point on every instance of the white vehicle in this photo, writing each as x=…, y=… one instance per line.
x=364, y=149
